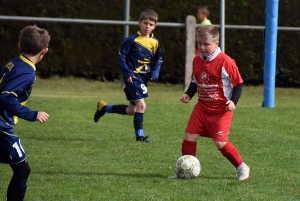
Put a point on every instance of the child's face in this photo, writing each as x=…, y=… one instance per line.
x=201, y=16
x=207, y=46
x=146, y=27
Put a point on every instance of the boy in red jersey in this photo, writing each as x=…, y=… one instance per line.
x=218, y=82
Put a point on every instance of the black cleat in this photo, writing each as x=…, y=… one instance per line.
x=101, y=105
x=143, y=139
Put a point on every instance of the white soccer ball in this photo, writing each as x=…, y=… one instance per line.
x=187, y=167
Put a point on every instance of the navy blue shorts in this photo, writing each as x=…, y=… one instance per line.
x=11, y=150
x=138, y=89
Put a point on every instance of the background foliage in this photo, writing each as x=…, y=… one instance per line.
x=90, y=51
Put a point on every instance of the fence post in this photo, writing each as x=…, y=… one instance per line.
x=126, y=28
x=189, y=48
x=222, y=25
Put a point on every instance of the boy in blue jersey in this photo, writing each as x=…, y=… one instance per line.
x=140, y=60
x=16, y=80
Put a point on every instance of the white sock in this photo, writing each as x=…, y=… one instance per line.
x=241, y=166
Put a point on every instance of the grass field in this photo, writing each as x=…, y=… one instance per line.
x=72, y=158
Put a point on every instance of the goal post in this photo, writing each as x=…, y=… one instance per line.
x=271, y=23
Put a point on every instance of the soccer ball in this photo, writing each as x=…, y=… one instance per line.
x=187, y=167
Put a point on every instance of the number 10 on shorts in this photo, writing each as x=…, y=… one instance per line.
x=18, y=147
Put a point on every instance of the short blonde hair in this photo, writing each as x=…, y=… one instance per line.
x=208, y=32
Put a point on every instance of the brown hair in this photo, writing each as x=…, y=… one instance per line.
x=149, y=14
x=33, y=40
x=203, y=9
x=209, y=32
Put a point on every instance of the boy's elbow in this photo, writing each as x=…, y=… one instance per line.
x=154, y=77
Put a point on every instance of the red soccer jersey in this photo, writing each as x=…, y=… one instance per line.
x=215, y=77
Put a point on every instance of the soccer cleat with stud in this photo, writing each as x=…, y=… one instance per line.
x=101, y=105
x=243, y=172
x=143, y=139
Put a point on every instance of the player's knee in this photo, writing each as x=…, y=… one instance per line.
x=130, y=113
x=22, y=171
x=130, y=110
x=219, y=144
x=141, y=106
x=26, y=172
x=191, y=137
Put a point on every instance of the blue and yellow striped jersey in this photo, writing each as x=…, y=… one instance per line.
x=140, y=55
x=16, y=80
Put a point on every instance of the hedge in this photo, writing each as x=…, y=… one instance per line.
x=91, y=51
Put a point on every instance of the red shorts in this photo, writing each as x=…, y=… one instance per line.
x=212, y=125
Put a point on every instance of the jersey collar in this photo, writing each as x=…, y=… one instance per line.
x=212, y=56
x=28, y=61
x=150, y=36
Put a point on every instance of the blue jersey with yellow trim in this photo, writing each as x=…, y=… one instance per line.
x=16, y=80
x=140, y=55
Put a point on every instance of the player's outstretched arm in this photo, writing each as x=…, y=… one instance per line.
x=42, y=117
x=185, y=98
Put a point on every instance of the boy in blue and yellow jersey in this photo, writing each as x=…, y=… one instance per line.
x=16, y=80
x=140, y=60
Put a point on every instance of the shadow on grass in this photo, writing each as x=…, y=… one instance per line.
x=133, y=175
x=137, y=175
x=62, y=139
x=218, y=178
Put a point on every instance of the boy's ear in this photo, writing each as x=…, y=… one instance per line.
x=44, y=51
x=217, y=43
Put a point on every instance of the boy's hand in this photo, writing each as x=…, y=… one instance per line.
x=42, y=117
x=230, y=105
x=185, y=98
x=130, y=79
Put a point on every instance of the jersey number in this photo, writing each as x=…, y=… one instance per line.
x=18, y=148
x=144, y=88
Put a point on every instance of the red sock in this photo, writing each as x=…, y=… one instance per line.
x=232, y=154
x=189, y=148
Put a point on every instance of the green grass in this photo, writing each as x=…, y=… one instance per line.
x=73, y=158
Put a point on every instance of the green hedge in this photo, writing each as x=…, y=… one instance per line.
x=90, y=51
